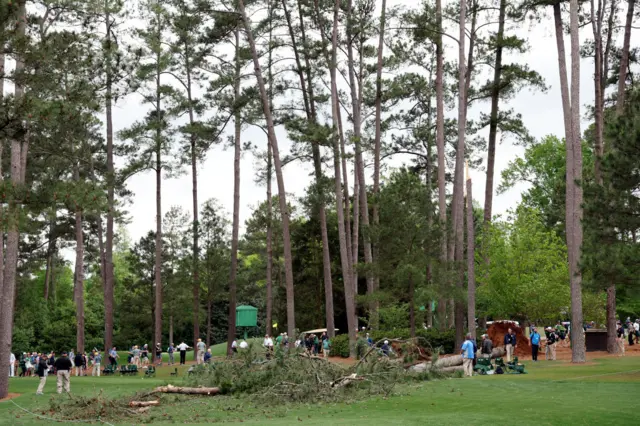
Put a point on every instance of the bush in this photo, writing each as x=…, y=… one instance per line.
x=430, y=339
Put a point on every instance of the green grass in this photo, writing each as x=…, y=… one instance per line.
x=553, y=393
x=218, y=350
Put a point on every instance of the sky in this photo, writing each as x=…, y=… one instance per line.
x=541, y=112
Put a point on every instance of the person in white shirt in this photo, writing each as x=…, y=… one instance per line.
x=182, y=347
x=244, y=345
x=268, y=344
x=234, y=346
x=12, y=365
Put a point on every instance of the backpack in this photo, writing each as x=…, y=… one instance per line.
x=499, y=370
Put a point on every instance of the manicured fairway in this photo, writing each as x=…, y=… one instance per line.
x=555, y=393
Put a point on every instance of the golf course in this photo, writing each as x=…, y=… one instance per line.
x=554, y=392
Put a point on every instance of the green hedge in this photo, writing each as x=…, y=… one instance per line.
x=432, y=338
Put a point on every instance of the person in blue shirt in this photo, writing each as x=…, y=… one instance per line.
x=535, y=343
x=468, y=355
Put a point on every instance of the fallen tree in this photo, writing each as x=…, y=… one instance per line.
x=187, y=391
x=450, y=362
x=144, y=403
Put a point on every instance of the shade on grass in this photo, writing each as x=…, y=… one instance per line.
x=552, y=393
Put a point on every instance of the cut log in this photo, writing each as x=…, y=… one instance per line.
x=144, y=403
x=452, y=361
x=187, y=391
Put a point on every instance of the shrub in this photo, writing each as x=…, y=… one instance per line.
x=430, y=339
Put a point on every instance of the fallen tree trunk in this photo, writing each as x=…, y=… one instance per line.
x=452, y=361
x=144, y=403
x=187, y=391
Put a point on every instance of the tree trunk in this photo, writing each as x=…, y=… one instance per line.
x=347, y=274
x=171, y=329
x=284, y=209
x=7, y=298
x=269, y=277
x=2, y=213
x=78, y=285
x=442, y=191
x=471, y=261
x=624, y=59
x=108, y=249
x=364, y=206
x=231, y=335
x=458, y=199
x=50, y=247
x=577, y=336
x=188, y=391
x=310, y=109
x=493, y=120
x=158, y=258
x=196, y=224
x=377, y=146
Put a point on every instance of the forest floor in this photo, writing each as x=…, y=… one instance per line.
x=553, y=392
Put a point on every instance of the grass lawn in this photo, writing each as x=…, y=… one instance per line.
x=552, y=393
x=218, y=350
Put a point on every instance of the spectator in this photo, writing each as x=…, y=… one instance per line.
x=326, y=347
x=170, y=350
x=234, y=346
x=63, y=367
x=78, y=363
x=535, y=344
x=510, y=344
x=385, y=348
x=487, y=346
x=158, y=354
x=135, y=356
x=97, y=360
x=207, y=356
x=42, y=370
x=113, y=356
x=468, y=355
x=12, y=365
x=244, y=344
x=182, y=347
x=200, y=347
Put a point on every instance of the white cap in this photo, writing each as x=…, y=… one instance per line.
x=386, y=342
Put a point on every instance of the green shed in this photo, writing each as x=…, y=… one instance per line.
x=246, y=316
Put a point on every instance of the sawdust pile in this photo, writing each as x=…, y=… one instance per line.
x=498, y=330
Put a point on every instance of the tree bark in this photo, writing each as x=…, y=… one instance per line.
x=493, y=121
x=364, y=206
x=624, y=59
x=471, y=261
x=269, y=274
x=231, y=335
x=50, y=248
x=188, y=391
x=310, y=109
x=284, y=210
x=577, y=336
x=196, y=225
x=78, y=287
x=208, y=323
x=2, y=212
x=7, y=298
x=158, y=256
x=347, y=274
x=171, y=329
x=442, y=191
x=458, y=199
x=108, y=249
x=377, y=148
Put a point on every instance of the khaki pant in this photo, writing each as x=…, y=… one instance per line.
x=96, y=370
x=552, y=352
x=200, y=357
x=79, y=371
x=43, y=381
x=509, y=349
x=621, y=345
x=64, y=381
x=325, y=353
x=468, y=366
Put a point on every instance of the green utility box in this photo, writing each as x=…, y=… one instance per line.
x=246, y=316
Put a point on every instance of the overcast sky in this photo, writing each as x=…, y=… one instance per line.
x=542, y=114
